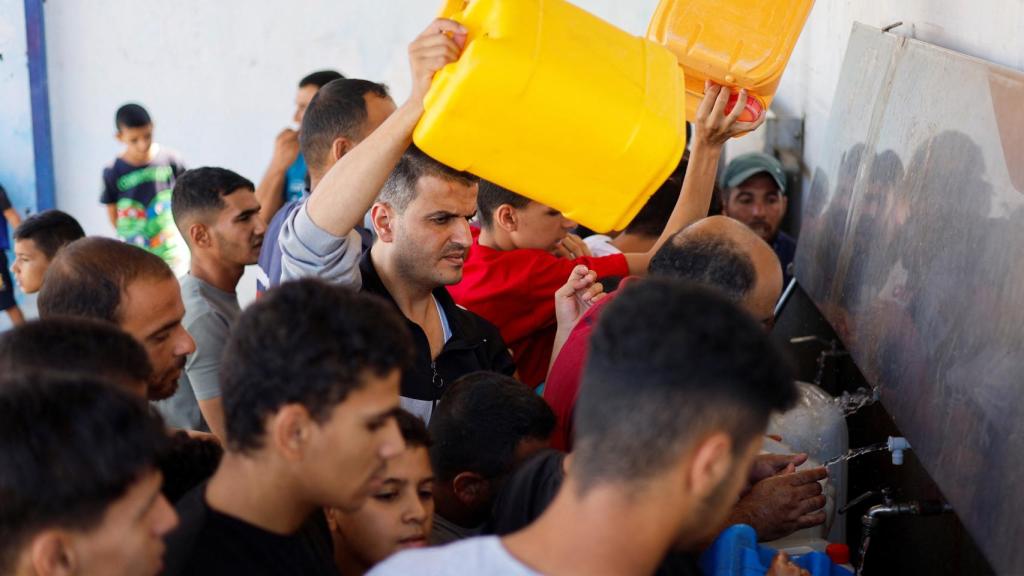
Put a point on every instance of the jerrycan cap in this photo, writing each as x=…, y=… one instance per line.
x=838, y=553
x=752, y=111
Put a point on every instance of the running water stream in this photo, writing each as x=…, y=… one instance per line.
x=850, y=403
x=880, y=447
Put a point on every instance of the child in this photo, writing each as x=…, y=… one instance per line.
x=399, y=514
x=36, y=242
x=7, y=302
x=137, y=189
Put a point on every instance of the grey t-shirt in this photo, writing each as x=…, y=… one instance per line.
x=484, y=555
x=209, y=315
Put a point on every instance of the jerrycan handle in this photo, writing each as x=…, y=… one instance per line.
x=452, y=9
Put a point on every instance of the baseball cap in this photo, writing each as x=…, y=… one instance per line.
x=744, y=166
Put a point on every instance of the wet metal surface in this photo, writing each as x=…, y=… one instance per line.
x=913, y=247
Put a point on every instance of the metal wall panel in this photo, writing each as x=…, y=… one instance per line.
x=913, y=247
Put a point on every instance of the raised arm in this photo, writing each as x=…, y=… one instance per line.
x=712, y=129
x=348, y=190
x=270, y=190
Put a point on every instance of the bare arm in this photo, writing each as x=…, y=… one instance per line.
x=112, y=215
x=353, y=183
x=572, y=300
x=213, y=413
x=712, y=130
x=13, y=218
x=269, y=192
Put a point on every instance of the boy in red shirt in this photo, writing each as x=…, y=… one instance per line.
x=514, y=269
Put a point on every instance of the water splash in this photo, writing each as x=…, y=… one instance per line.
x=857, y=452
x=865, y=542
x=850, y=403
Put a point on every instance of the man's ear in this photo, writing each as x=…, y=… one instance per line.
x=383, y=216
x=711, y=460
x=470, y=487
x=51, y=553
x=506, y=218
x=289, y=431
x=339, y=148
x=199, y=235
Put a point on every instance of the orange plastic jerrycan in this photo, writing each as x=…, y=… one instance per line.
x=735, y=43
x=556, y=104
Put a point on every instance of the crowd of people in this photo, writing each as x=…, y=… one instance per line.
x=436, y=378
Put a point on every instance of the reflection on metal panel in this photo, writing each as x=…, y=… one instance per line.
x=913, y=248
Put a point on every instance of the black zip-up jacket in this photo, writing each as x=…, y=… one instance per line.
x=475, y=345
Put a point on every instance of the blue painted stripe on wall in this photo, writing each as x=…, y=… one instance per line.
x=35, y=32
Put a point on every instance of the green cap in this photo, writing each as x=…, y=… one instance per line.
x=747, y=165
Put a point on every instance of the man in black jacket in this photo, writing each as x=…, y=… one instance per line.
x=421, y=219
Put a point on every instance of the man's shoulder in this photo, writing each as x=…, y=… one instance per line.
x=483, y=555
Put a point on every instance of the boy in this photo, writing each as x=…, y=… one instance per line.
x=7, y=303
x=137, y=189
x=36, y=242
x=81, y=502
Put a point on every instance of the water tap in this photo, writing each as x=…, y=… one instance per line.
x=897, y=444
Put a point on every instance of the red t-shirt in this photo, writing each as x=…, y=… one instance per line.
x=563, y=384
x=515, y=291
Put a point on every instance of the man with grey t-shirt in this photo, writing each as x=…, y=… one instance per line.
x=218, y=215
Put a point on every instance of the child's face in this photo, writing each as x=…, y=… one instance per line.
x=399, y=514
x=30, y=264
x=137, y=142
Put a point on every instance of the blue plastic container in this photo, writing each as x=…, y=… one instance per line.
x=736, y=553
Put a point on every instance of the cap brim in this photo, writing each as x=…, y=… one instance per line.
x=743, y=176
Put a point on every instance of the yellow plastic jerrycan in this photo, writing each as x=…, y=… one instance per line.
x=735, y=43
x=556, y=104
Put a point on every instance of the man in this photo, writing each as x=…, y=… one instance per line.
x=716, y=252
x=341, y=115
x=663, y=469
x=487, y=425
x=309, y=425
x=421, y=220
x=218, y=216
x=76, y=346
x=36, y=242
x=512, y=271
x=129, y=287
x=754, y=192
x=285, y=178
x=81, y=493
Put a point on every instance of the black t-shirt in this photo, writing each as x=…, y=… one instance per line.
x=142, y=195
x=531, y=489
x=5, y=204
x=207, y=542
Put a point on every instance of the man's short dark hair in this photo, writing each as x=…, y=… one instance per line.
x=89, y=276
x=325, y=341
x=490, y=197
x=653, y=217
x=400, y=188
x=670, y=362
x=481, y=420
x=337, y=110
x=203, y=190
x=69, y=448
x=711, y=260
x=413, y=430
x=320, y=78
x=50, y=230
x=131, y=116
x=74, y=346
